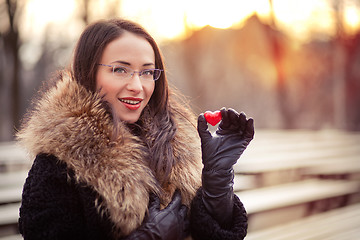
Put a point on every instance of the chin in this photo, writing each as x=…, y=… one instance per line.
x=130, y=119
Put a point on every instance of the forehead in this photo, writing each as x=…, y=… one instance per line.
x=130, y=48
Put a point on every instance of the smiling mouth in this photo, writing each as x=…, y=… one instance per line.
x=129, y=101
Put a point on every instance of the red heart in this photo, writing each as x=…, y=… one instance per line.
x=213, y=117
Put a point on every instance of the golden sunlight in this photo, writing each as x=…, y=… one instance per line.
x=352, y=18
x=225, y=14
x=169, y=19
x=166, y=19
x=39, y=13
x=301, y=18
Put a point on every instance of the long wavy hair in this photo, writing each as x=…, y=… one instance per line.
x=161, y=130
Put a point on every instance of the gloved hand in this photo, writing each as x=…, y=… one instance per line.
x=220, y=151
x=169, y=223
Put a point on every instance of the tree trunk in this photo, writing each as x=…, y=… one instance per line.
x=278, y=60
x=12, y=45
x=339, y=59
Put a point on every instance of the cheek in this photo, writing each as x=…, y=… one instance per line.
x=103, y=83
x=150, y=90
x=98, y=81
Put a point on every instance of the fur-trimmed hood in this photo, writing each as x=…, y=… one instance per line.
x=72, y=124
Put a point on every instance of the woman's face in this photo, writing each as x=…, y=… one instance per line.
x=127, y=97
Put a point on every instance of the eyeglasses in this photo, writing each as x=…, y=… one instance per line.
x=125, y=73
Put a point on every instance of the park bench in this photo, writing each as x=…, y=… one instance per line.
x=341, y=168
x=277, y=178
x=14, y=166
x=12, y=157
x=275, y=205
x=341, y=223
x=277, y=157
x=12, y=237
x=288, y=168
x=9, y=214
x=11, y=184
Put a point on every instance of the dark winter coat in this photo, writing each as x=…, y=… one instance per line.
x=90, y=178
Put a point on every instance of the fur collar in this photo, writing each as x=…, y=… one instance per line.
x=72, y=124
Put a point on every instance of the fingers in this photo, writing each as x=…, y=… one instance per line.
x=225, y=122
x=186, y=230
x=175, y=203
x=249, y=130
x=183, y=211
x=232, y=122
x=154, y=202
x=182, y=216
x=230, y=118
x=203, y=128
x=242, y=121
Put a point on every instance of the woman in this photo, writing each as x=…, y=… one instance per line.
x=117, y=157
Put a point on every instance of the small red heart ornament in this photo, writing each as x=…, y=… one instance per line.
x=213, y=117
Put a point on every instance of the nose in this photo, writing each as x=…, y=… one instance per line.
x=134, y=83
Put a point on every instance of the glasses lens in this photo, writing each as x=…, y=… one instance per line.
x=121, y=72
x=150, y=74
x=125, y=73
x=147, y=74
x=157, y=74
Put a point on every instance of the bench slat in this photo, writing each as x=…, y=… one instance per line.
x=9, y=213
x=340, y=223
x=12, y=237
x=9, y=195
x=279, y=196
x=15, y=178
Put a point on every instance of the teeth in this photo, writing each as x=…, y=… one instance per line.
x=132, y=102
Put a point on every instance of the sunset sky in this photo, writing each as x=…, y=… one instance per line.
x=168, y=19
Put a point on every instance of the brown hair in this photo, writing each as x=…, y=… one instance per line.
x=161, y=131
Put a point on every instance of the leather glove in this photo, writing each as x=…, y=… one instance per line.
x=220, y=151
x=169, y=223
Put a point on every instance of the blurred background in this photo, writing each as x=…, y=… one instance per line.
x=294, y=66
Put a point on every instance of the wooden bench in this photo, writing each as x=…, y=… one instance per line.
x=276, y=157
x=275, y=205
x=10, y=194
x=244, y=182
x=342, y=168
x=9, y=216
x=9, y=213
x=12, y=237
x=269, y=180
x=11, y=185
x=14, y=166
x=342, y=223
x=13, y=157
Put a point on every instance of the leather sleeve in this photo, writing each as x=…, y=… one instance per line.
x=203, y=226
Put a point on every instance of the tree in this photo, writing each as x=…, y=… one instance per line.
x=11, y=10
x=278, y=60
x=87, y=7
x=339, y=59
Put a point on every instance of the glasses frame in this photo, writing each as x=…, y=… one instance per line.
x=133, y=71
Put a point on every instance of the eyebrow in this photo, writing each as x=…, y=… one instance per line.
x=129, y=64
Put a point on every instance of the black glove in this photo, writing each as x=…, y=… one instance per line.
x=169, y=223
x=220, y=151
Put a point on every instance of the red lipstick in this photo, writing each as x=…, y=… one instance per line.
x=131, y=103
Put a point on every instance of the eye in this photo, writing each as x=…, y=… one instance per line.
x=147, y=72
x=120, y=70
